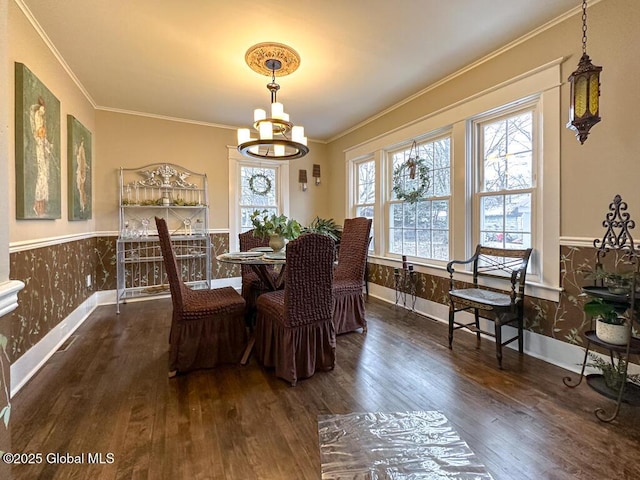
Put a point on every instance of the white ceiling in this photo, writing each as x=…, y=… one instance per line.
x=185, y=59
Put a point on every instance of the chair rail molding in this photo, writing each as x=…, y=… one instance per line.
x=9, y=296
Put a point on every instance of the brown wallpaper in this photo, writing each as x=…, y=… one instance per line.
x=55, y=276
x=563, y=321
x=55, y=285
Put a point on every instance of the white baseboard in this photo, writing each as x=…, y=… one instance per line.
x=28, y=364
x=551, y=350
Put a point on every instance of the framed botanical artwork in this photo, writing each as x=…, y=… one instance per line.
x=79, y=169
x=38, y=189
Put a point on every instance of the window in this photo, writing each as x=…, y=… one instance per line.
x=365, y=180
x=262, y=197
x=505, y=193
x=494, y=165
x=421, y=229
x=271, y=191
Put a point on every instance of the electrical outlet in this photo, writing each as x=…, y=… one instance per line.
x=89, y=281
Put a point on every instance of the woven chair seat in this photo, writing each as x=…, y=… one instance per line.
x=487, y=298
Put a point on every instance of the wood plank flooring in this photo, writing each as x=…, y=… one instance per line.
x=109, y=393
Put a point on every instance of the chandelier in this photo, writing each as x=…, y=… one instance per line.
x=278, y=138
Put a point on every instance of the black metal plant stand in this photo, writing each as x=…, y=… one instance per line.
x=617, y=238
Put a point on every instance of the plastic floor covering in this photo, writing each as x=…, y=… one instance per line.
x=406, y=445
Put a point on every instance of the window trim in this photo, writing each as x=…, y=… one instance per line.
x=389, y=201
x=477, y=191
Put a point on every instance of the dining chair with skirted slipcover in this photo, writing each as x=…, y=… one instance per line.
x=207, y=326
x=348, y=277
x=294, y=329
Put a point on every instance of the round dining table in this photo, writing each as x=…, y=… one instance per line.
x=259, y=260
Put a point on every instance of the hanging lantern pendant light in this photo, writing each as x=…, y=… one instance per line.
x=584, y=111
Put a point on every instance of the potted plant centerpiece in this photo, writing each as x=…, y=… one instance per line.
x=611, y=325
x=276, y=227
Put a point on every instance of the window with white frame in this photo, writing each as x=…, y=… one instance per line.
x=505, y=184
x=421, y=229
x=498, y=183
x=258, y=187
x=254, y=185
x=365, y=183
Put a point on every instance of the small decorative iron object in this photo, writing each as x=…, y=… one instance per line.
x=584, y=110
x=405, y=280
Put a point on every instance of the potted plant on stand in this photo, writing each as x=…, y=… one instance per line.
x=611, y=325
x=277, y=228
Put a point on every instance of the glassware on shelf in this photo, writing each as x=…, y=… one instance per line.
x=187, y=226
x=145, y=227
x=198, y=228
x=126, y=232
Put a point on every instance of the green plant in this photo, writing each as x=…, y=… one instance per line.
x=613, y=372
x=266, y=224
x=617, y=282
x=326, y=227
x=604, y=311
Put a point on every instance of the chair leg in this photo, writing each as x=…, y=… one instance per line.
x=521, y=335
x=477, y=317
x=498, y=332
x=451, y=314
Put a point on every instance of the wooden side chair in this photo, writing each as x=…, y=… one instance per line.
x=505, y=266
x=349, y=276
x=207, y=326
x=294, y=329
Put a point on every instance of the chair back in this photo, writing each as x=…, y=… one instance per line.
x=176, y=285
x=354, y=247
x=247, y=242
x=501, y=262
x=308, y=294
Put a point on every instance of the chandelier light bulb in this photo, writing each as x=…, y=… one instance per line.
x=297, y=133
x=244, y=135
x=266, y=131
x=259, y=114
x=277, y=110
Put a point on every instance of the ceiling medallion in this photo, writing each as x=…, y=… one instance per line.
x=257, y=58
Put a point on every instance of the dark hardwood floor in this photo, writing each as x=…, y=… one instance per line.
x=109, y=393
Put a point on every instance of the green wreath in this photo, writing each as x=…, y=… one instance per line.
x=265, y=179
x=415, y=166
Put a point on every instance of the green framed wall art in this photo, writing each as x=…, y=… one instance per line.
x=38, y=190
x=79, y=155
